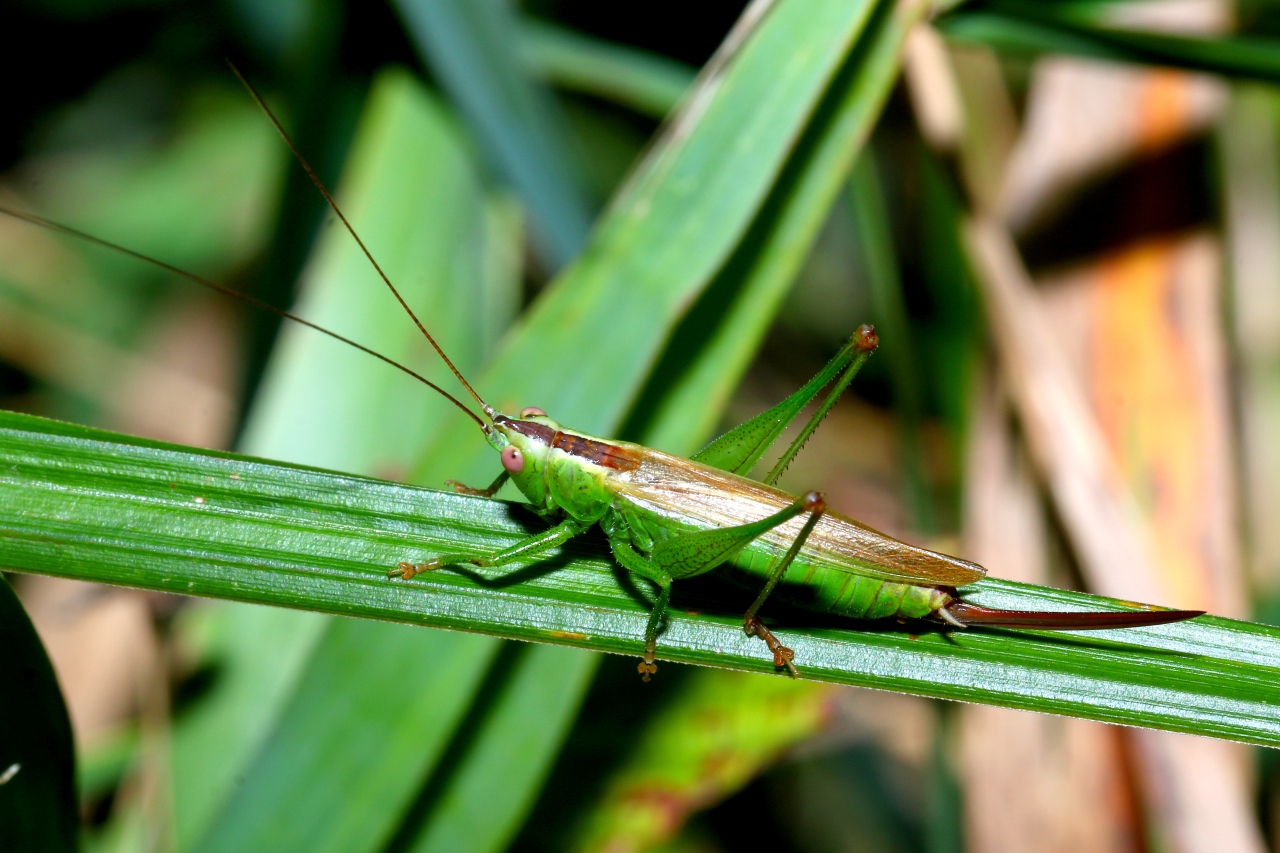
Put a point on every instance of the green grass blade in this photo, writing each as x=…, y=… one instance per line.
x=469, y=44
x=215, y=740
x=481, y=800
x=413, y=192
x=311, y=790
x=716, y=340
x=647, y=83
x=87, y=504
x=705, y=744
x=668, y=233
x=1059, y=28
x=871, y=221
x=469, y=298
x=557, y=355
x=548, y=346
x=705, y=359
x=38, y=807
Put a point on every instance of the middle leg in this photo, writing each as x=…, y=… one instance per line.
x=691, y=554
x=634, y=562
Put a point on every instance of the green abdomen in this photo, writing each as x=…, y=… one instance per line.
x=810, y=583
x=840, y=592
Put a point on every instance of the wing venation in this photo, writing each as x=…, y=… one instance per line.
x=703, y=496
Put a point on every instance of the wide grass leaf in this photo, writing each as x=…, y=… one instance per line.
x=480, y=794
x=87, y=504
x=584, y=349
x=401, y=716
x=714, y=342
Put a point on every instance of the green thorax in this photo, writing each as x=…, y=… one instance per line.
x=563, y=470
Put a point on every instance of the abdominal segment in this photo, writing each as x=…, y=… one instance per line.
x=841, y=593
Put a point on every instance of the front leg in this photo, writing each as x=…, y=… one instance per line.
x=534, y=545
x=636, y=563
x=464, y=489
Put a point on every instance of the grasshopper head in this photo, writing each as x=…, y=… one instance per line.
x=525, y=445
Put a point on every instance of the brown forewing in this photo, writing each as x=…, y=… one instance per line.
x=705, y=497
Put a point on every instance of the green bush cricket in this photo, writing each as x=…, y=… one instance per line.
x=668, y=518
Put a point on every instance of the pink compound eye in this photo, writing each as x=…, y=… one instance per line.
x=512, y=459
x=532, y=412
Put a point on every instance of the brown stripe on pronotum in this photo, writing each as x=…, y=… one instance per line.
x=603, y=453
x=532, y=429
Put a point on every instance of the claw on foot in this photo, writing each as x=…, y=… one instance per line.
x=464, y=489
x=782, y=656
x=646, y=669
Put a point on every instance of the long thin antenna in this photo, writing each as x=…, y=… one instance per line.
x=315, y=179
x=235, y=294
